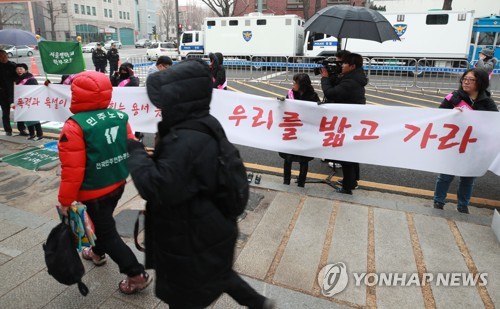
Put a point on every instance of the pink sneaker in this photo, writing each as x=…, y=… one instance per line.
x=89, y=255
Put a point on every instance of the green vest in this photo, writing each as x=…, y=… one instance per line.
x=105, y=135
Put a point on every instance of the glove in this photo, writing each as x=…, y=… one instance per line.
x=47, y=82
x=133, y=144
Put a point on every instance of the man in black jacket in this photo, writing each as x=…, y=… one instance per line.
x=113, y=58
x=348, y=88
x=7, y=77
x=99, y=59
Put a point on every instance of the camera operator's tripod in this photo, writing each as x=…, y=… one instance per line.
x=328, y=179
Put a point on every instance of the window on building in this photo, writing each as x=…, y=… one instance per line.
x=110, y=13
x=93, y=11
x=64, y=8
x=261, y=22
x=76, y=9
x=119, y=2
x=105, y=12
x=294, y=4
x=82, y=9
x=437, y=19
x=120, y=14
x=264, y=5
x=334, y=2
x=128, y=15
x=88, y=10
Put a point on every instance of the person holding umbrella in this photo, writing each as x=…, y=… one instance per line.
x=7, y=77
x=347, y=88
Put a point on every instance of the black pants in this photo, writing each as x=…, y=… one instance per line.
x=100, y=68
x=235, y=287
x=112, y=69
x=6, y=116
x=31, y=129
x=287, y=172
x=350, y=171
x=108, y=241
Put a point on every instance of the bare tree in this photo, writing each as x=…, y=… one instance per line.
x=222, y=8
x=447, y=5
x=305, y=6
x=317, y=6
x=167, y=17
x=7, y=15
x=50, y=12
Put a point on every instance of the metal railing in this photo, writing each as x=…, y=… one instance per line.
x=383, y=73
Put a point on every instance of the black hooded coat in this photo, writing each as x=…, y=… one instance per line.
x=189, y=242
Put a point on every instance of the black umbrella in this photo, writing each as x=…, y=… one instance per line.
x=355, y=22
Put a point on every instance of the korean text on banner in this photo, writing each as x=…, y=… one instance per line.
x=61, y=57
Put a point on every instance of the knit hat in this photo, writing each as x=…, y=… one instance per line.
x=488, y=52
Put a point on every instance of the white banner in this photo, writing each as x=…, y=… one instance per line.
x=435, y=140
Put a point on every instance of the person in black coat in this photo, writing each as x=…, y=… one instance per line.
x=125, y=77
x=99, y=58
x=189, y=242
x=113, y=58
x=218, y=71
x=348, y=88
x=302, y=89
x=7, y=77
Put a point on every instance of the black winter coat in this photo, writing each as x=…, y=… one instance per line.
x=218, y=70
x=7, y=77
x=483, y=102
x=113, y=57
x=188, y=240
x=349, y=88
x=31, y=79
x=99, y=58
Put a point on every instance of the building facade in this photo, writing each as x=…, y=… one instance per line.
x=282, y=7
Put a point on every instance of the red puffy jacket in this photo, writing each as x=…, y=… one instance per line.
x=90, y=90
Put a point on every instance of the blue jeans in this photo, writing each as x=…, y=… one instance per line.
x=464, y=191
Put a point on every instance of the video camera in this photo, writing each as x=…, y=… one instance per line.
x=332, y=66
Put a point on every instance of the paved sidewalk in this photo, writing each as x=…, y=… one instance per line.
x=287, y=237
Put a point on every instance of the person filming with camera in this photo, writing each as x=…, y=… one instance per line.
x=348, y=87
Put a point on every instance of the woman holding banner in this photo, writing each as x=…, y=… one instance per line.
x=471, y=95
x=26, y=78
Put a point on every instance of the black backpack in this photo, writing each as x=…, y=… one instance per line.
x=61, y=257
x=233, y=189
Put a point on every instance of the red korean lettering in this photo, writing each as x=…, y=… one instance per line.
x=157, y=113
x=145, y=107
x=35, y=101
x=367, y=133
x=426, y=136
x=20, y=102
x=135, y=109
x=466, y=140
x=291, y=120
x=451, y=135
x=238, y=114
x=260, y=113
x=334, y=139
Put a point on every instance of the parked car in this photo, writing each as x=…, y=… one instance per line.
x=142, y=43
x=118, y=44
x=17, y=51
x=90, y=47
x=162, y=49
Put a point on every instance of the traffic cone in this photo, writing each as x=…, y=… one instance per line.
x=34, y=67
